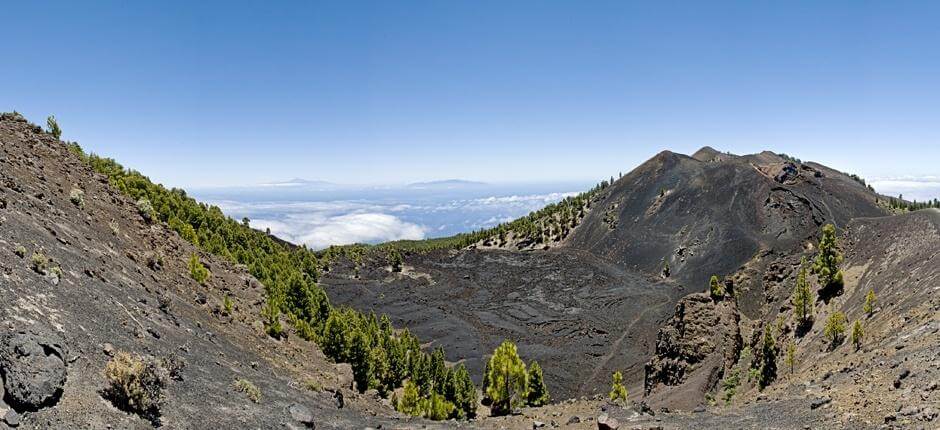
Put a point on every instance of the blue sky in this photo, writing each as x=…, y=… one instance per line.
x=225, y=93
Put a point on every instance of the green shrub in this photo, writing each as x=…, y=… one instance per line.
x=729, y=386
x=197, y=271
x=145, y=209
x=618, y=392
x=135, y=385
x=271, y=316
x=20, y=251
x=715, y=288
x=250, y=390
x=227, y=305
x=39, y=263
x=77, y=197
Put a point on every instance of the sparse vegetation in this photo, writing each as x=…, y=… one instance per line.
x=77, y=197
x=197, y=271
x=145, y=209
x=537, y=391
x=803, y=299
x=135, y=385
x=618, y=392
x=790, y=360
x=835, y=329
x=857, y=335
x=39, y=262
x=20, y=251
x=394, y=259
x=729, y=386
x=869, y=307
x=52, y=127
x=715, y=288
x=827, y=261
x=768, y=365
x=227, y=305
x=249, y=389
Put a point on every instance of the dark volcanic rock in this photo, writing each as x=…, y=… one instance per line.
x=700, y=342
x=33, y=369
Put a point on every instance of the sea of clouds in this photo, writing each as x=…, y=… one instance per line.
x=319, y=219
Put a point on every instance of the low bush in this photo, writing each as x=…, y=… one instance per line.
x=250, y=390
x=135, y=385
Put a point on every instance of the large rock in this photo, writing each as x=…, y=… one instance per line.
x=33, y=369
x=696, y=347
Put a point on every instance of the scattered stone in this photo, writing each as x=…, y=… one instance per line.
x=820, y=402
x=34, y=369
x=301, y=414
x=908, y=410
x=929, y=413
x=108, y=349
x=606, y=422
x=699, y=409
x=573, y=420
x=538, y=424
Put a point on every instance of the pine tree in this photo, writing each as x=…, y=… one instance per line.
x=409, y=403
x=507, y=379
x=537, y=391
x=335, y=341
x=460, y=391
x=827, y=261
x=359, y=360
x=791, y=356
x=768, y=368
x=618, y=392
x=803, y=300
x=715, y=288
x=857, y=335
x=869, y=307
x=486, y=400
x=835, y=329
x=53, y=127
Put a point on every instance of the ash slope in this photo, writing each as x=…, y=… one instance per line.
x=107, y=295
x=712, y=212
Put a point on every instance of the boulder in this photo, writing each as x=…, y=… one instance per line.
x=33, y=368
x=606, y=422
x=302, y=415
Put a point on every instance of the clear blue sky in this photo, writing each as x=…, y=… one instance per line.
x=205, y=93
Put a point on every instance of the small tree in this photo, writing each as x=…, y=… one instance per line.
x=803, y=300
x=857, y=335
x=618, y=392
x=869, y=307
x=791, y=356
x=835, y=329
x=715, y=288
x=507, y=379
x=52, y=127
x=768, y=368
x=198, y=272
x=409, y=401
x=394, y=259
x=538, y=392
x=827, y=261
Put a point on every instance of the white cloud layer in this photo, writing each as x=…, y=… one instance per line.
x=913, y=188
x=319, y=231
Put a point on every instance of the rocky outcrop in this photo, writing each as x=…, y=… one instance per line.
x=694, y=349
x=33, y=369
